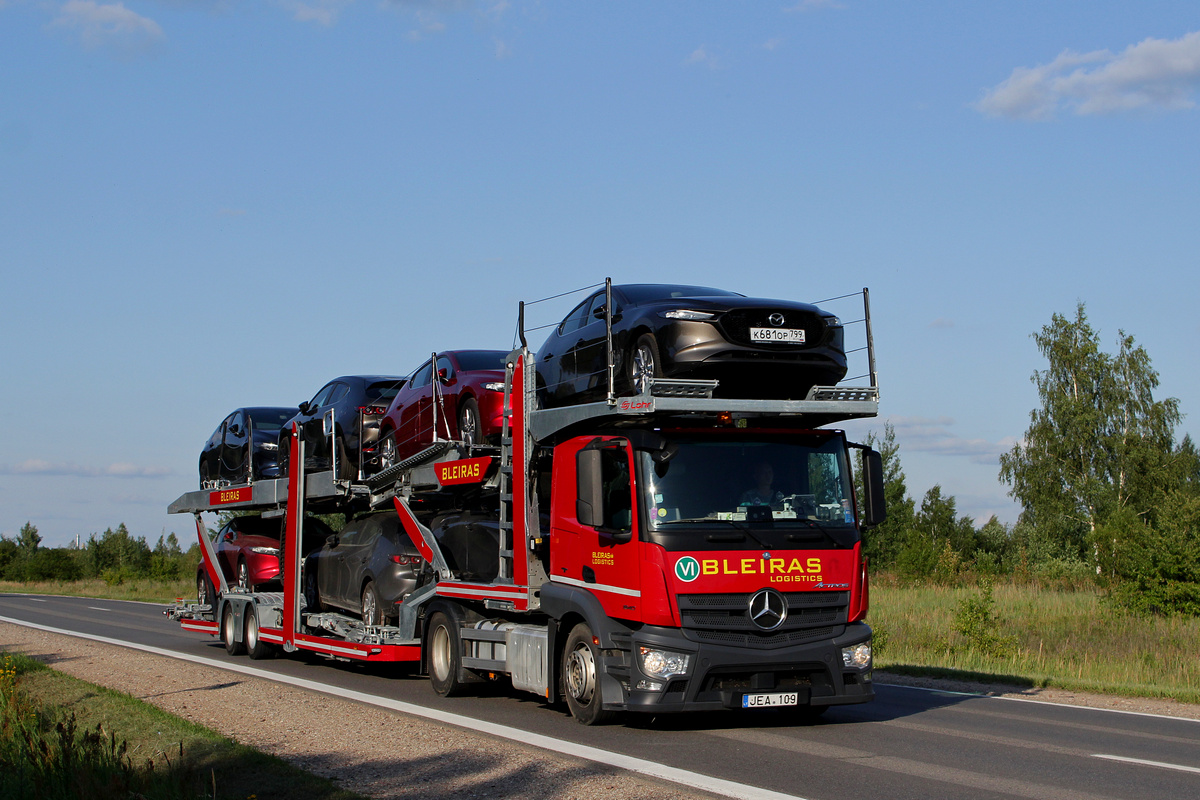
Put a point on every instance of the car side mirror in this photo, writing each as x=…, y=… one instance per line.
x=236, y=430
x=444, y=375
x=332, y=540
x=305, y=408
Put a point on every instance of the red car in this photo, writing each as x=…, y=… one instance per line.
x=468, y=391
x=249, y=552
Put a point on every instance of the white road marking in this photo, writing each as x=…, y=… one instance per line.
x=1036, y=702
x=36, y=599
x=1146, y=763
x=98, y=608
x=695, y=780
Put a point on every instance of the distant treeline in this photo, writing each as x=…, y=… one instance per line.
x=115, y=556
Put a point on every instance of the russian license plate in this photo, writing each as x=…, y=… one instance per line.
x=790, y=335
x=770, y=700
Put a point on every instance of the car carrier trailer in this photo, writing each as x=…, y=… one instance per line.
x=623, y=581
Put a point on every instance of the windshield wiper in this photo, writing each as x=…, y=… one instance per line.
x=841, y=538
x=731, y=522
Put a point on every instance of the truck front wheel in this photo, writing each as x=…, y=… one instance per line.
x=444, y=655
x=581, y=681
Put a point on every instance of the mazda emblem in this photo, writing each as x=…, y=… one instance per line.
x=776, y=319
x=768, y=609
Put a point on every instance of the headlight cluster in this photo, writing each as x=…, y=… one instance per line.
x=687, y=313
x=266, y=551
x=494, y=386
x=857, y=656
x=662, y=663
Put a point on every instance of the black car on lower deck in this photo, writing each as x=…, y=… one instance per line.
x=368, y=567
x=355, y=403
x=755, y=347
x=244, y=447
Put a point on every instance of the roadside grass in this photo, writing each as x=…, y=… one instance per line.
x=1034, y=636
x=50, y=746
x=147, y=590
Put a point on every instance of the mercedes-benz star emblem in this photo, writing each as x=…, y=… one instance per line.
x=768, y=609
x=775, y=319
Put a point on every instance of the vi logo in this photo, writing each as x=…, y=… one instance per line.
x=687, y=569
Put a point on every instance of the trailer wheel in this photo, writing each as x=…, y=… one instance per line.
x=581, y=681
x=256, y=648
x=468, y=421
x=229, y=632
x=445, y=656
x=643, y=364
x=284, y=453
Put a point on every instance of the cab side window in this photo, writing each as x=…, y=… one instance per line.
x=618, y=508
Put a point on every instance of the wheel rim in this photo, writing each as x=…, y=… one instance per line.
x=368, y=606
x=468, y=426
x=642, y=368
x=243, y=575
x=227, y=628
x=387, y=452
x=439, y=656
x=581, y=674
x=201, y=591
x=251, y=632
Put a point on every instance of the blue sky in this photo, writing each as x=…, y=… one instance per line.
x=205, y=205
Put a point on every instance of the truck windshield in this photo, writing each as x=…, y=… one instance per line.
x=754, y=486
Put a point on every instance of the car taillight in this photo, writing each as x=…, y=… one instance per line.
x=373, y=409
x=414, y=560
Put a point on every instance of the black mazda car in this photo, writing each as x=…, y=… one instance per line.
x=755, y=347
x=355, y=404
x=244, y=447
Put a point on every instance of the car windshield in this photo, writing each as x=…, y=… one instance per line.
x=383, y=390
x=270, y=419
x=777, y=483
x=473, y=360
x=643, y=292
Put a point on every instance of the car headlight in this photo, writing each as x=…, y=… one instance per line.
x=662, y=663
x=494, y=386
x=266, y=551
x=269, y=445
x=857, y=656
x=833, y=322
x=687, y=313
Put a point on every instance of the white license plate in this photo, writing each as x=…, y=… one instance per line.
x=792, y=335
x=770, y=700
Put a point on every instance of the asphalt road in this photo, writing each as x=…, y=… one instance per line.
x=908, y=743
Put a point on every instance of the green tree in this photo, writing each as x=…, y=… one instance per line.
x=29, y=539
x=1098, y=443
x=883, y=544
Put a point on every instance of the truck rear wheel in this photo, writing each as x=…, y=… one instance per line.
x=256, y=648
x=581, y=680
x=445, y=656
x=229, y=632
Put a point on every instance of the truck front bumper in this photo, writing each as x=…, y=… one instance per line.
x=718, y=676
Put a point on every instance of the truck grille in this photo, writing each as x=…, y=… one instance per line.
x=725, y=618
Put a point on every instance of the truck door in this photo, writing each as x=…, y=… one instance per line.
x=601, y=553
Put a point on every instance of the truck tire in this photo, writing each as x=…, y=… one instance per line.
x=581, y=683
x=445, y=655
x=229, y=632
x=256, y=648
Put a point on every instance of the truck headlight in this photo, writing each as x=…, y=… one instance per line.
x=857, y=656
x=662, y=663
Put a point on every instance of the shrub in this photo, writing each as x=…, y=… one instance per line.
x=977, y=622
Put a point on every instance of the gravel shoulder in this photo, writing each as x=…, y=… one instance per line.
x=369, y=750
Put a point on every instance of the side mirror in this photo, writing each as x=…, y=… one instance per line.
x=332, y=540
x=305, y=408
x=236, y=430
x=874, y=502
x=444, y=375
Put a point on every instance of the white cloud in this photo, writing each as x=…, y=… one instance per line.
x=35, y=466
x=1154, y=73
x=108, y=25
x=701, y=56
x=933, y=435
x=322, y=12
x=771, y=44
x=942, y=322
